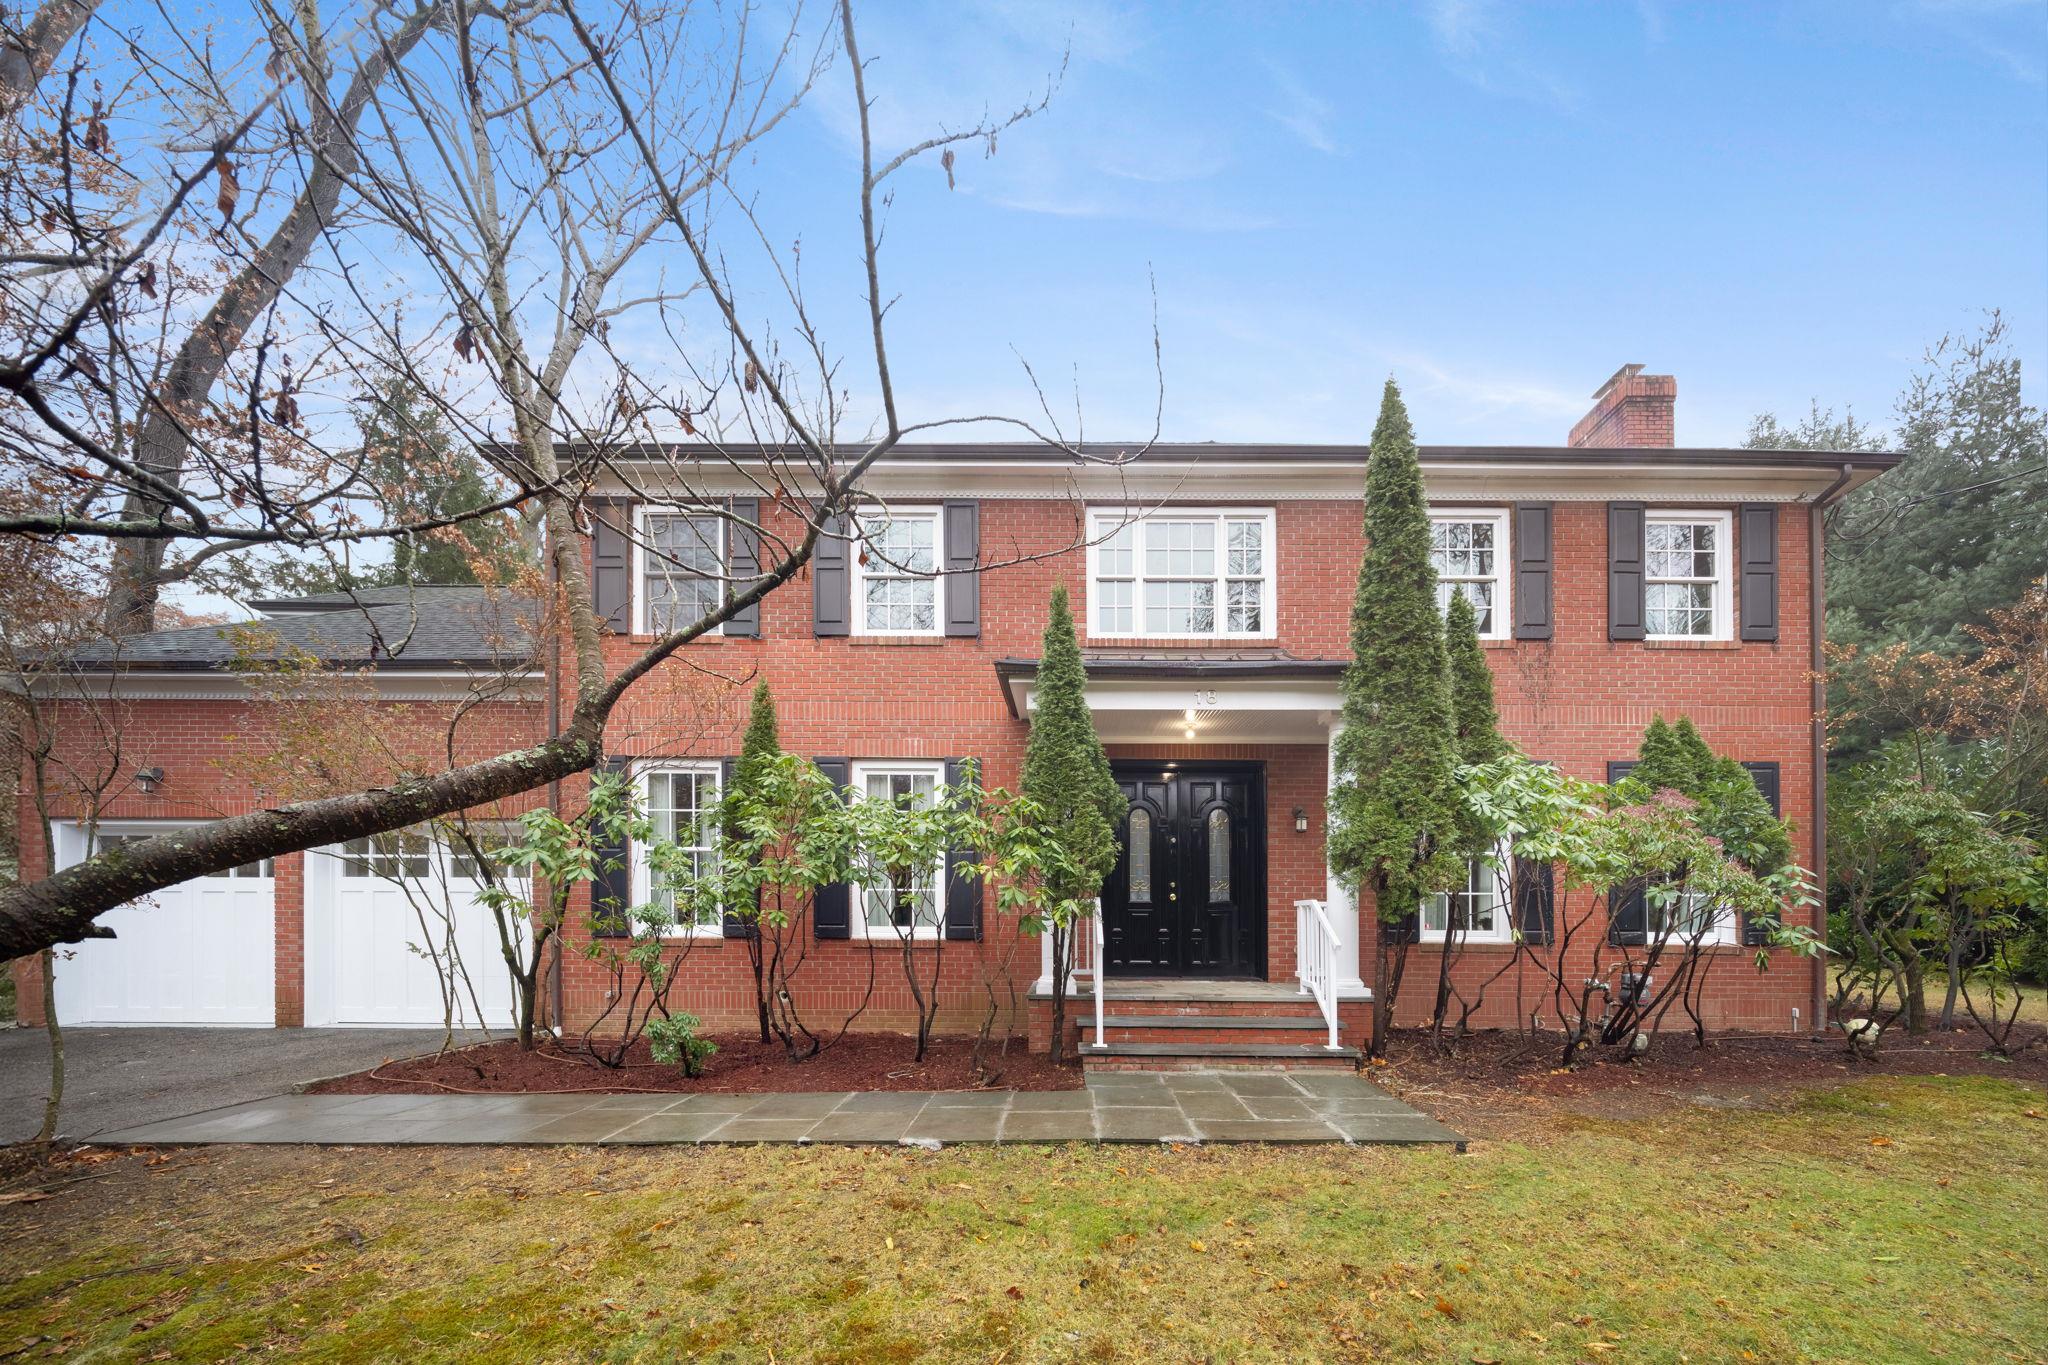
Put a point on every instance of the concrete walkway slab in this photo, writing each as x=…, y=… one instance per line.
x=1139, y=1107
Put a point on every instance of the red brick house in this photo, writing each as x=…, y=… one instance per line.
x=1618, y=578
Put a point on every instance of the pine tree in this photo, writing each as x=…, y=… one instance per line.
x=1394, y=808
x=1664, y=762
x=762, y=741
x=1066, y=775
x=1473, y=710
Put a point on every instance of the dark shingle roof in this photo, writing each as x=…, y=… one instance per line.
x=438, y=626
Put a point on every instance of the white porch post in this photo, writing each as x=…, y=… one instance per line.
x=1343, y=908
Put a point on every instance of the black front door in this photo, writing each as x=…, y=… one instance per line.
x=1188, y=894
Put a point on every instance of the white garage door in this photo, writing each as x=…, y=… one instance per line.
x=395, y=934
x=201, y=952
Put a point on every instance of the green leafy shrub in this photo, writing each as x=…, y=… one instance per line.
x=674, y=1041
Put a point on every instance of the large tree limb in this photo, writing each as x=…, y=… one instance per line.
x=27, y=53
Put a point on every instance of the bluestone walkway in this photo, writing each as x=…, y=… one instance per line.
x=1182, y=1106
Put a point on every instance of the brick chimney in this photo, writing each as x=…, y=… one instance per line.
x=1631, y=409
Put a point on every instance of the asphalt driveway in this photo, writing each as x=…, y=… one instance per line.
x=123, y=1077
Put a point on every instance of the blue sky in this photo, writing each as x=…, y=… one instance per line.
x=1498, y=204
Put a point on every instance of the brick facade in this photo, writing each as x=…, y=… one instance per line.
x=1577, y=699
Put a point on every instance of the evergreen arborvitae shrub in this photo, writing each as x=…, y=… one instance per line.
x=1394, y=809
x=1475, y=716
x=762, y=742
x=1066, y=773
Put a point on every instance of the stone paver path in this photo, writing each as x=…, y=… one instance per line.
x=1177, y=1106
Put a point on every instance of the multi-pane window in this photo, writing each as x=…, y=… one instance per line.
x=1469, y=551
x=682, y=558
x=678, y=800
x=896, y=567
x=103, y=841
x=1181, y=574
x=1687, y=917
x=1477, y=908
x=400, y=855
x=905, y=899
x=1685, y=575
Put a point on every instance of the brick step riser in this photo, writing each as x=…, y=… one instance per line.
x=1115, y=1033
x=1217, y=1064
x=1235, y=1009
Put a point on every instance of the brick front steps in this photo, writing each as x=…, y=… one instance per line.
x=1190, y=1024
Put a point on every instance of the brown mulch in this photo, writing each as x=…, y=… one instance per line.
x=1492, y=1083
x=742, y=1065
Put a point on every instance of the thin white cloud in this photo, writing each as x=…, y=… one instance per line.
x=1480, y=49
x=1302, y=112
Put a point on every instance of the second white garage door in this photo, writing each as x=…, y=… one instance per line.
x=395, y=934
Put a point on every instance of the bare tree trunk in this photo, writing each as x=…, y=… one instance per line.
x=48, y=959
x=27, y=53
x=136, y=576
x=1060, y=935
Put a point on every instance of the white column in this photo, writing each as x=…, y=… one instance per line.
x=1343, y=908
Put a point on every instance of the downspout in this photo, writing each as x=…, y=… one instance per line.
x=1817, y=631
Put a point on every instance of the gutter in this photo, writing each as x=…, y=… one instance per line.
x=1817, y=632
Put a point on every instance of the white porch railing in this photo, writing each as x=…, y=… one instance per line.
x=1315, y=959
x=1084, y=958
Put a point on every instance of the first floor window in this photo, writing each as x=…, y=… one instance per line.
x=683, y=568
x=1685, y=576
x=1178, y=573
x=1687, y=917
x=678, y=800
x=1478, y=908
x=901, y=900
x=896, y=570
x=1469, y=552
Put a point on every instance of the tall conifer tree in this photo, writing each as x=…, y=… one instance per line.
x=1394, y=807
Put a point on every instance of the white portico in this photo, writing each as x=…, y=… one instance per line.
x=1165, y=720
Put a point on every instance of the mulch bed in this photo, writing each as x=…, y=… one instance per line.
x=742, y=1065
x=1493, y=1081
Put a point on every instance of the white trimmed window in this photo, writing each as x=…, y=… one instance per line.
x=677, y=797
x=896, y=572
x=913, y=902
x=1687, y=916
x=1481, y=908
x=680, y=566
x=1181, y=574
x=1686, y=579
x=401, y=855
x=1470, y=552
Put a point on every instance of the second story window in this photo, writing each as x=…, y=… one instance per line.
x=1470, y=550
x=1181, y=574
x=1685, y=576
x=682, y=567
x=896, y=574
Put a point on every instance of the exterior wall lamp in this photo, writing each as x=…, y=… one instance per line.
x=1300, y=820
x=149, y=779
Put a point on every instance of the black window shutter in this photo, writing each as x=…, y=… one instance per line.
x=1624, y=571
x=1408, y=929
x=1532, y=571
x=1766, y=776
x=832, y=580
x=1759, y=542
x=735, y=926
x=963, y=880
x=832, y=903
x=743, y=563
x=611, y=563
x=1535, y=889
x=611, y=891
x=962, y=538
x=1628, y=919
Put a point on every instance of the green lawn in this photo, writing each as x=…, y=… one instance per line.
x=1890, y=1219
